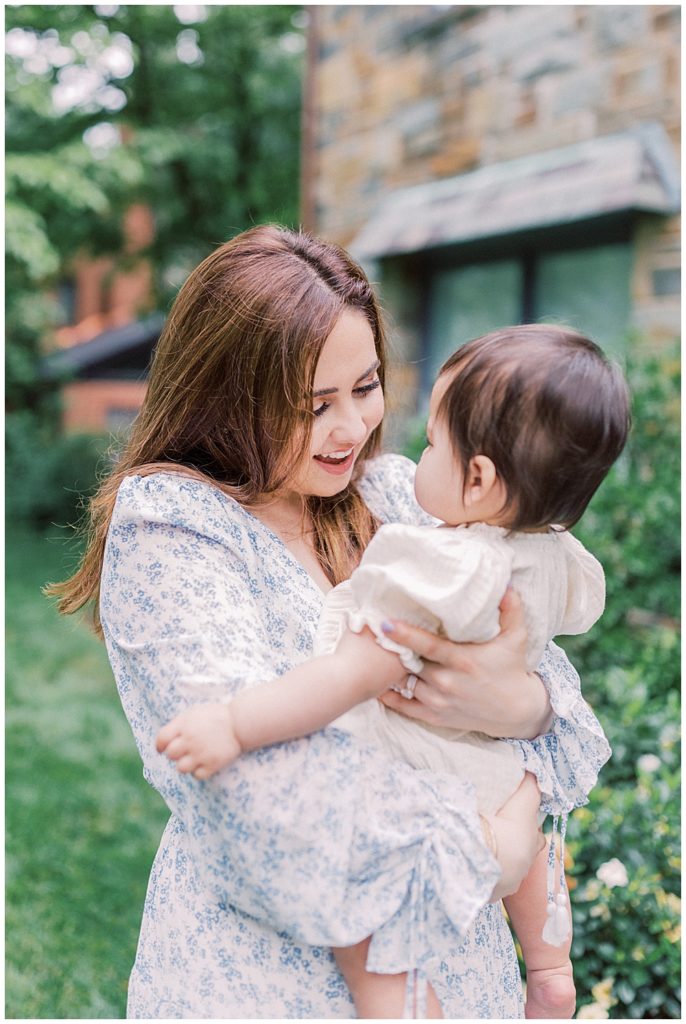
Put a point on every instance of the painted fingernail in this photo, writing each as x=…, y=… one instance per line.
x=387, y=626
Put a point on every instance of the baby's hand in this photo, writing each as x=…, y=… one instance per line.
x=201, y=740
x=368, y=659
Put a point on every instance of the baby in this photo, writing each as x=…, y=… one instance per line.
x=524, y=423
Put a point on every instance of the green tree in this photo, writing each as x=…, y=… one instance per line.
x=192, y=110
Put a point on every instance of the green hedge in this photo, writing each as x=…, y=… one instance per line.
x=626, y=947
x=47, y=474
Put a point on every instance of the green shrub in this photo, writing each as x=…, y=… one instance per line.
x=626, y=946
x=48, y=475
x=632, y=526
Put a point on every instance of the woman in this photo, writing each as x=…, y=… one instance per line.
x=250, y=485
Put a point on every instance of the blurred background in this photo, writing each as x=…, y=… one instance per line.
x=488, y=164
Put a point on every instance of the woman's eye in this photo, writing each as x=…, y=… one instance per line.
x=366, y=388
x=360, y=392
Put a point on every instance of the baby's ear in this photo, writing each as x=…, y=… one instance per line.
x=481, y=476
x=485, y=496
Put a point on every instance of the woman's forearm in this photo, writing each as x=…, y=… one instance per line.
x=530, y=714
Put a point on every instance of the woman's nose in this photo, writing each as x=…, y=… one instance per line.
x=351, y=427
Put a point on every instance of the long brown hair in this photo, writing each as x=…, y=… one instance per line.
x=228, y=389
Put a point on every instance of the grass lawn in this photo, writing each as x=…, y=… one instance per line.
x=82, y=826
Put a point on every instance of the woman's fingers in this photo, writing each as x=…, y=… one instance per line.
x=427, y=645
x=511, y=612
x=413, y=708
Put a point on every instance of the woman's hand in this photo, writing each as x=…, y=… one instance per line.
x=518, y=839
x=478, y=687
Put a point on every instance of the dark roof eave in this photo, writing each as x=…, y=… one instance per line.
x=631, y=171
x=104, y=346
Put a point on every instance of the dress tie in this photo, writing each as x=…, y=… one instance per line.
x=557, y=929
x=416, y=990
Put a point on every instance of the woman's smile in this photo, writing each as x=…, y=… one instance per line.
x=337, y=463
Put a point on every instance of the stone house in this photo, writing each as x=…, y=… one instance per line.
x=494, y=164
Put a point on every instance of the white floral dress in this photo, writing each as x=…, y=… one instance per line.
x=311, y=843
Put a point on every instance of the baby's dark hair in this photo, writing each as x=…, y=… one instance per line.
x=548, y=408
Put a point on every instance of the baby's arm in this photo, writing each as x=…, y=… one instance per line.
x=550, y=990
x=208, y=737
x=377, y=995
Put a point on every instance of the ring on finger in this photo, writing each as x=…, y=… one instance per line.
x=408, y=690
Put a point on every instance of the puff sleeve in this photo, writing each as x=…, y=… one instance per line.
x=585, y=587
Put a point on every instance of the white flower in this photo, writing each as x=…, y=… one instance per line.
x=593, y=1011
x=669, y=735
x=601, y=911
x=591, y=890
x=648, y=763
x=612, y=873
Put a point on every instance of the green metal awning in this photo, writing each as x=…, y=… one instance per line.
x=633, y=170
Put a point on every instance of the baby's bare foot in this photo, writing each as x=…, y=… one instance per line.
x=550, y=993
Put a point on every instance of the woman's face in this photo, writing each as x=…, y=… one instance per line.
x=347, y=403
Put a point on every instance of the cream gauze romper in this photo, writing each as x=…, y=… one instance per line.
x=450, y=580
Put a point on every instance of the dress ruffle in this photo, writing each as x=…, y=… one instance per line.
x=566, y=760
x=457, y=850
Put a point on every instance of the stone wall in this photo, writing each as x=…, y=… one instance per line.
x=409, y=94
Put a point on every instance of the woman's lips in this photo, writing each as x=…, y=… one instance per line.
x=336, y=466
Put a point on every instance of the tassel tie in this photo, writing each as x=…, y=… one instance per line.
x=557, y=928
x=416, y=990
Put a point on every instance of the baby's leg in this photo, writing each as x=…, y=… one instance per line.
x=550, y=989
x=377, y=995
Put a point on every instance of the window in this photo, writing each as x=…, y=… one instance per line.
x=470, y=301
x=66, y=300
x=587, y=288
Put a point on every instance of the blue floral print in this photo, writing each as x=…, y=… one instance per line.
x=306, y=844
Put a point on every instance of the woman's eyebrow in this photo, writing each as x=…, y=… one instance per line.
x=332, y=391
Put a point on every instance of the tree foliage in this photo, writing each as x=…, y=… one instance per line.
x=108, y=105
x=191, y=110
